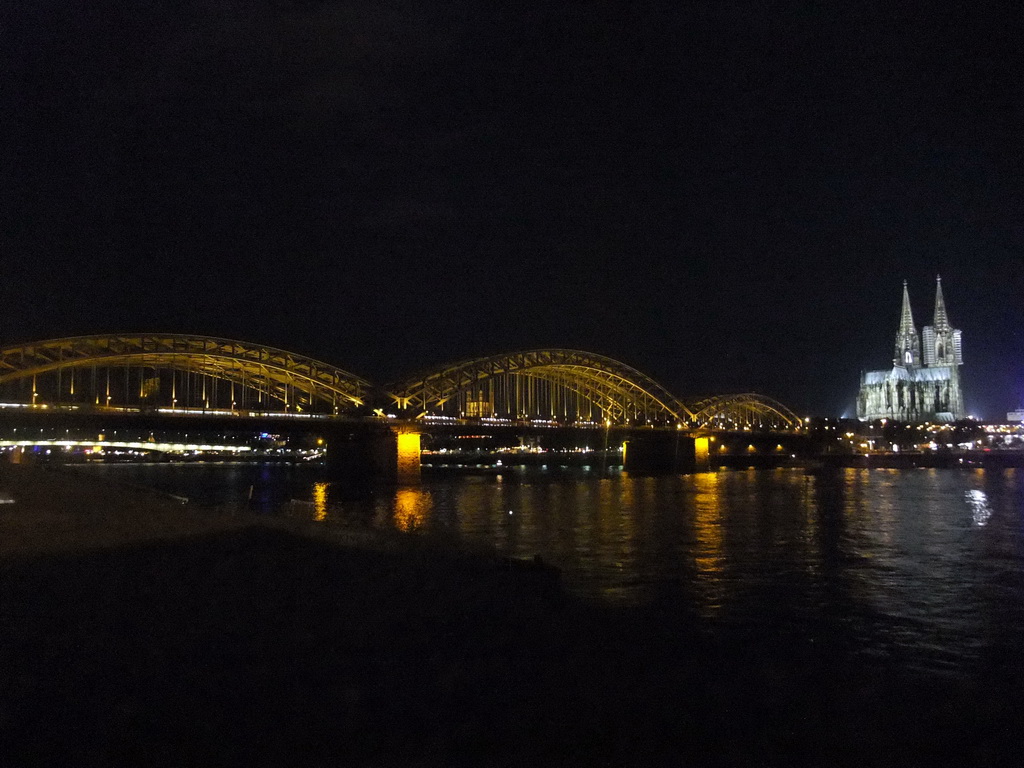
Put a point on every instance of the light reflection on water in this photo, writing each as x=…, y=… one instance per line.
x=923, y=561
x=412, y=508
x=980, y=509
x=320, y=501
x=709, y=539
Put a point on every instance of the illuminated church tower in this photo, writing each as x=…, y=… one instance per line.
x=941, y=340
x=908, y=345
x=924, y=383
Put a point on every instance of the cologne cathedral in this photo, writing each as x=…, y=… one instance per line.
x=920, y=387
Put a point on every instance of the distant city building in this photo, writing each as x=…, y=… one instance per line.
x=924, y=382
x=1017, y=415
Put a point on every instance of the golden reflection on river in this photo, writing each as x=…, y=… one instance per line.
x=617, y=533
x=412, y=508
x=708, y=555
x=707, y=523
x=320, y=501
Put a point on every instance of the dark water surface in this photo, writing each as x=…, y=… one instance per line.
x=921, y=567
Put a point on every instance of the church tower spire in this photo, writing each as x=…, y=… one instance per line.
x=941, y=321
x=942, y=343
x=908, y=344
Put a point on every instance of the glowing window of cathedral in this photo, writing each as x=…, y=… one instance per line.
x=907, y=357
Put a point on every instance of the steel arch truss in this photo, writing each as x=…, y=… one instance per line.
x=616, y=389
x=270, y=370
x=745, y=410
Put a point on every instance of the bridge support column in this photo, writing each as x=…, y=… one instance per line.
x=374, y=452
x=702, y=454
x=407, y=453
x=665, y=454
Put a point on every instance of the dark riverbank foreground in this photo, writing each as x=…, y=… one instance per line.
x=136, y=631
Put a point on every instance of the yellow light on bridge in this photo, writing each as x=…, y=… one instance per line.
x=409, y=456
x=701, y=450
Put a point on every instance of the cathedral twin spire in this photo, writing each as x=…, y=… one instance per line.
x=941, y=340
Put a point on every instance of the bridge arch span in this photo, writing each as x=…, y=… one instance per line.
x=743, y=410
x=282, y=376
x=620, y=393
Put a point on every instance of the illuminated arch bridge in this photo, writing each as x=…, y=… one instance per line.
x=570, y=386
x=206, y=373
x=177, y=371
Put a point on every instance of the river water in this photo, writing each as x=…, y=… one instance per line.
x=922, y=566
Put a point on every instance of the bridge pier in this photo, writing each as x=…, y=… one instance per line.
x=665, y=454
x=407, y=455
x=385, y=452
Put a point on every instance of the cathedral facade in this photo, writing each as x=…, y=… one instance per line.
x=924, y=382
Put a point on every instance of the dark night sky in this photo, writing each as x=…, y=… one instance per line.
x=727, y=196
